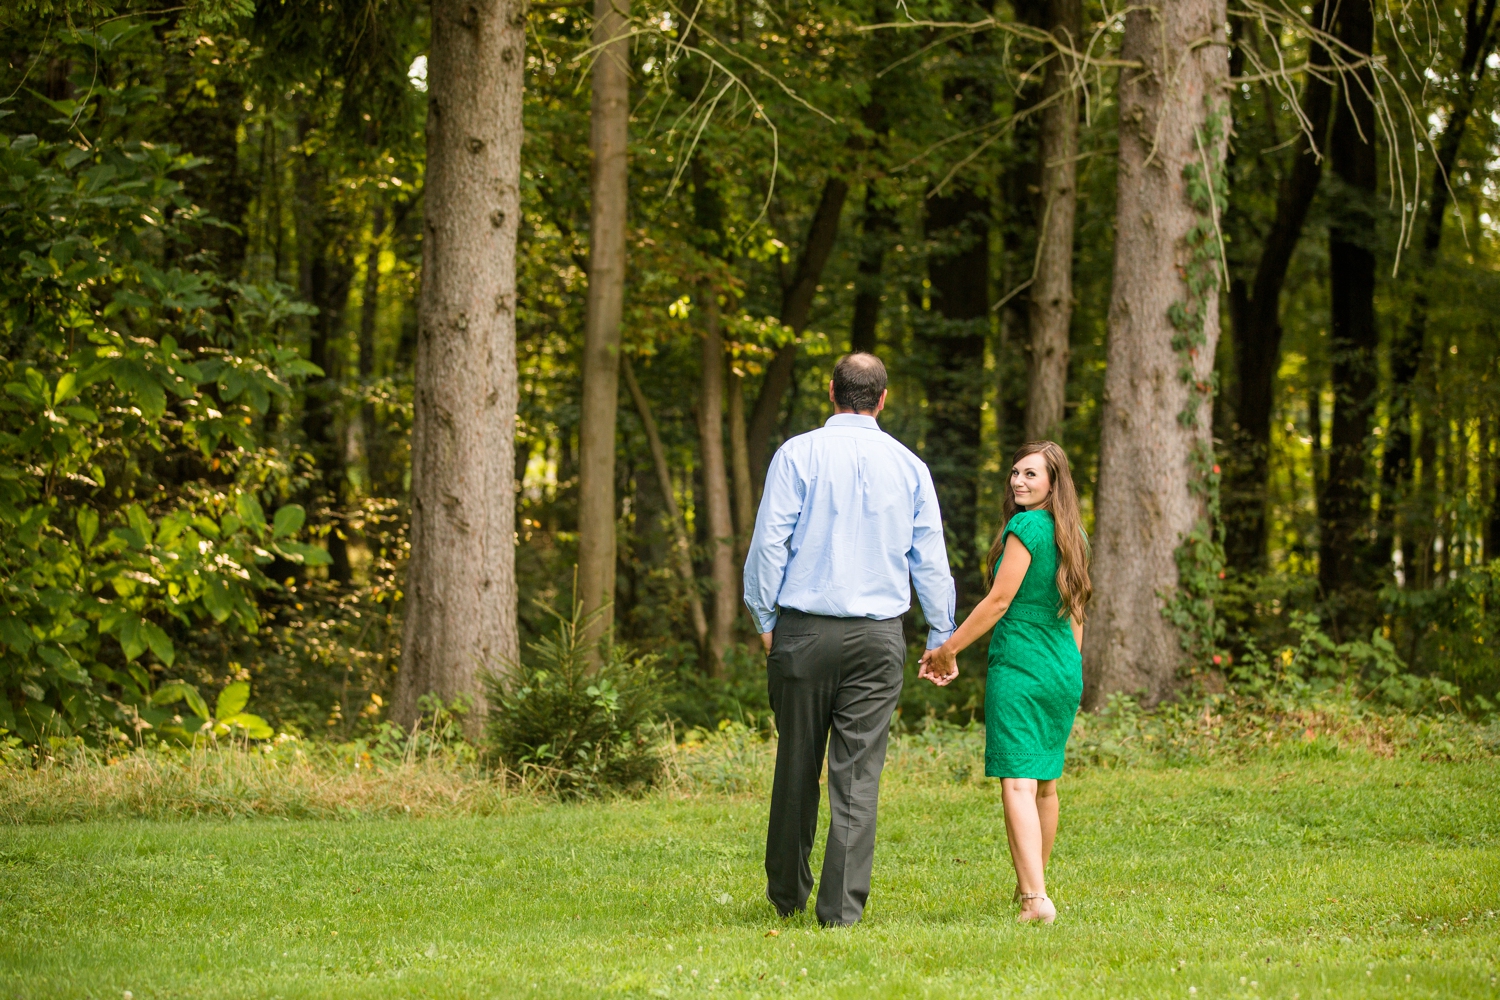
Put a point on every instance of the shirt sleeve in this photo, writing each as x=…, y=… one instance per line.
x=770, y=546
x=1025, y=527
x=928, y=560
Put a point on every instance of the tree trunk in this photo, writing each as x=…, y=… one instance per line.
x=796, y=303
x=682, y=550
x=1146, y=502
x=1344, y=561
x=739, y=463
x=1256, y=312
x=1051, y=297
x=878, y=225
x=1406, y=351
x=460, y=616
x=362, y=430
x=1493, y=476
x=726, y=592
x=601, y=340
x=959, y=223
x=325, y=275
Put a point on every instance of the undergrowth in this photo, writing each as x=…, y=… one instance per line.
x=432, y=771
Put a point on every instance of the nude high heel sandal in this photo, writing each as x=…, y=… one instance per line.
x=1045, y=911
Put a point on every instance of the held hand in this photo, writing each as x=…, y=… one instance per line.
x=765, y=640
x=939, y=665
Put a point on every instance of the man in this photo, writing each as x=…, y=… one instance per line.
x=848, y=518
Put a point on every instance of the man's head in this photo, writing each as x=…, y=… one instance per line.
x=858, y=384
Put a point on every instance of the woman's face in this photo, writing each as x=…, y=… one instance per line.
x=1029, y=481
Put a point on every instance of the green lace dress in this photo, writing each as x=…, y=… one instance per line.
x=1035, y=679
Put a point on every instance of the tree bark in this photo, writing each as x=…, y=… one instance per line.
x=1145, y=502
x=1406, y=351
x=1256, y=312
x=460, y=616
x=722, y=575
x=1345, y=549
x=606, y=298
x=878, y=224
x=739, y=463
x=960, y=223
x=682, y=550
x=363, y=429
x=796, y=303
x=325, y=275
x=1051, y=296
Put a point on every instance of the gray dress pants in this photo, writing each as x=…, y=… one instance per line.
x=841, y=675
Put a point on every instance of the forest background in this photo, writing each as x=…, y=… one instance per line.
x=215, y=219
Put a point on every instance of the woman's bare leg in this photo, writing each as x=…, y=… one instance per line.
x=1030, y=827
x=1023, y=828
x=1046, y=808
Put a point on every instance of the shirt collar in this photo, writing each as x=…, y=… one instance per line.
x=852, y=420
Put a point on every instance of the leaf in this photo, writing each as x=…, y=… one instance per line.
x=251, y=511
x=232, y=700
x=15, y=634
x=131, y=377
x=160, y=644
x=217, y=600
x=140, y=522
x=128, y=632
x=171, y=692
x=307, y=555
x=66, y=388
x=288, y=521
x=254, y=726
x=88, y=525
x=66, y=667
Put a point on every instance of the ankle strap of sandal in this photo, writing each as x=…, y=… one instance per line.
x=1034, y=895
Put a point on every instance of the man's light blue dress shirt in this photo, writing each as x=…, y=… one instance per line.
x=848, y=519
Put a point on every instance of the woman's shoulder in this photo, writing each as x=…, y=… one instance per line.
x=1031, y=525
x=1032, y=520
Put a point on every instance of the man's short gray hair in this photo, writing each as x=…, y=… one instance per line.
x=858, y=381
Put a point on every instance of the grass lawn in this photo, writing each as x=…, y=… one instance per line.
x=1343, y=877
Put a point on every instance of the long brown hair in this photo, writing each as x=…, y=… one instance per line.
x=1072, y=545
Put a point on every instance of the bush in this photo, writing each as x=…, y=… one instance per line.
x=136, y=391
x=578, y=727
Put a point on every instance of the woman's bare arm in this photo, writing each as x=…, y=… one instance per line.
x=942, y=661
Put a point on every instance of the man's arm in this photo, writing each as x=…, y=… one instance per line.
x=765, y=563
x=928, y=560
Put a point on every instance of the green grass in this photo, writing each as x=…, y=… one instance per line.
x=1351, y=876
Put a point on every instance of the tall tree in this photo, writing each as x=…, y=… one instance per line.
x=608, y=134
x=722, y=574
x=681, y=550
x=461, y=588
x=1407, y=348
x=1344, y=557
x=797, y=290
x=1255, y=308
x=960, y=224
x=957, y=224
x=1051, y=297
x=1155, y=426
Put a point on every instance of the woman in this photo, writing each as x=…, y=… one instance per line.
x=1040, y=589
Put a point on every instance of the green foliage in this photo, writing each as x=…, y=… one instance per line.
x=583, y=727
x=1453, y=631
x=121, y=361
x=228, y=717
x=1315, y=666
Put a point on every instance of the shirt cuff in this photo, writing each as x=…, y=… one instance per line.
x=936, y=637
x=765, y=622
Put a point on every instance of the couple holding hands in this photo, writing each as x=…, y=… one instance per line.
x=848, y=521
